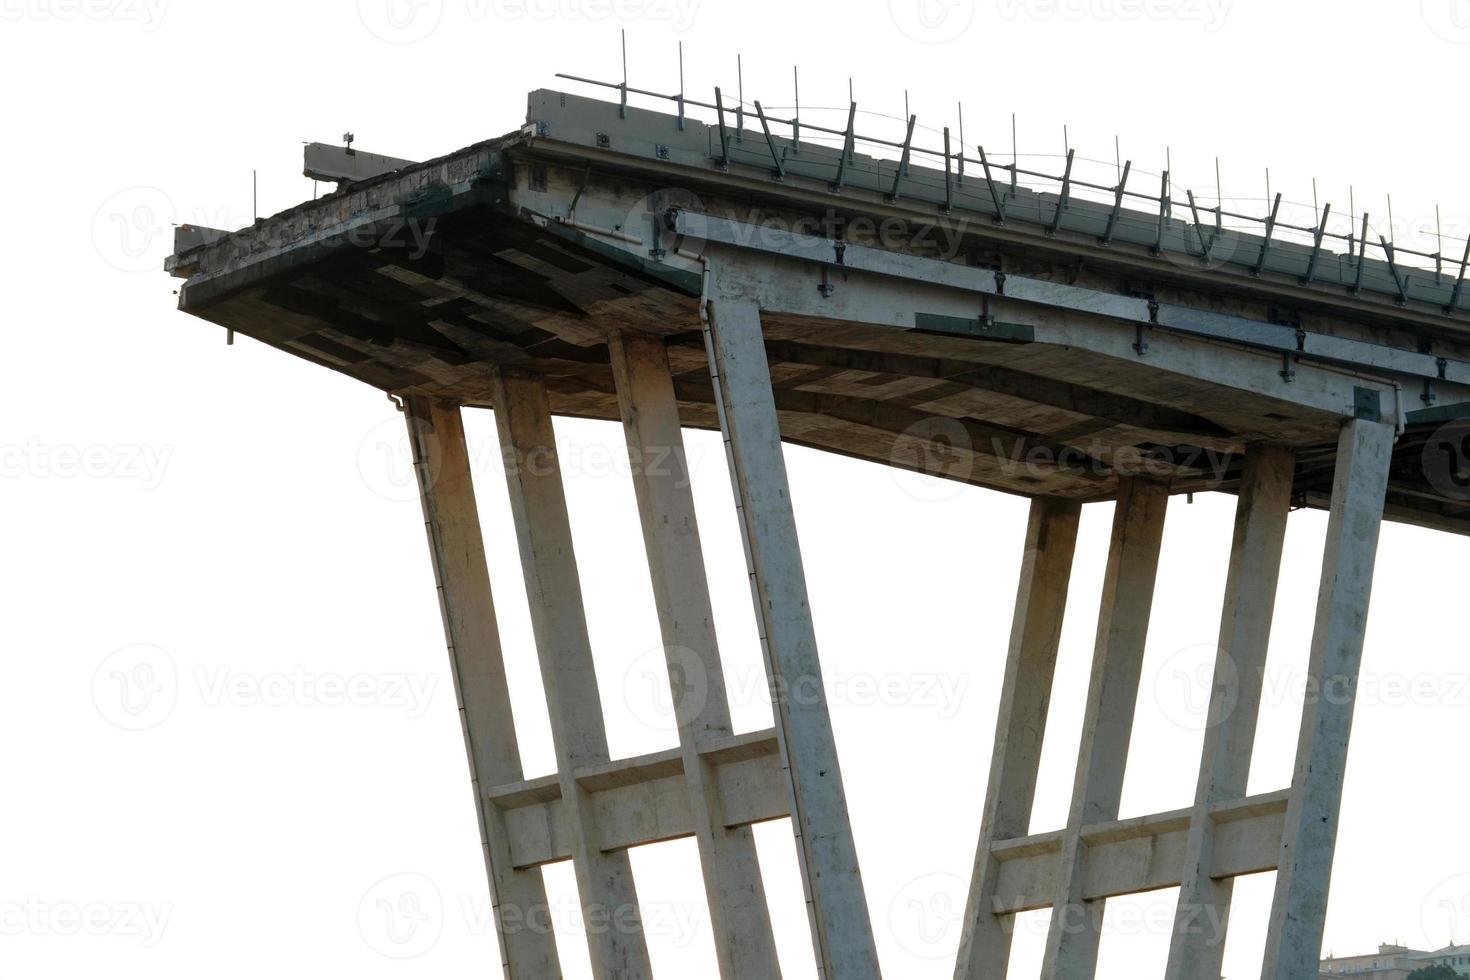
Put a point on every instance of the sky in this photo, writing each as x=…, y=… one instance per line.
x=228, y=727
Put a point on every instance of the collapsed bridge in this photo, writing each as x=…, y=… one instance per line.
x=926, y=309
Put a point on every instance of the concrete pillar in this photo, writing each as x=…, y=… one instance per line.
x=739, y=918
x=1304, y=872
x=841, y=929
x=528, y=949
x=1036, y=628
x=544, y=534
x=1198, y=945
x=1122, y=629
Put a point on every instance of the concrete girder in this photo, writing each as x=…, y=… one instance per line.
x=841, y=931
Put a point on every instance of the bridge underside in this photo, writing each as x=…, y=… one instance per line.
x=430, y=293
x=564, y=270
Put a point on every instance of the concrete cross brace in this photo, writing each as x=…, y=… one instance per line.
x=644, y=800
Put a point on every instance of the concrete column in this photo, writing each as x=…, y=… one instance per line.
x=528, y=949
x=1198, y=946
x=841, y=929
x=1036, y=628
x=544, y=534
x=1304, y=872
x=1122, y=629
x=739, y=917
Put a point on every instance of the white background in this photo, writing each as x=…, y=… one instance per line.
x=205, y=546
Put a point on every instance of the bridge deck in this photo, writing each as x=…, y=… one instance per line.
x=524, y=252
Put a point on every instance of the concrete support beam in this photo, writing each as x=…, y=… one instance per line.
x=1122, y=629
x=452, y=520
x=543, y=532
x=739, y=918
x=1139, y=854
x=646, y=800
x=1041, y=599
x=838, y=906
x=1202, y=917
x=1294, y=943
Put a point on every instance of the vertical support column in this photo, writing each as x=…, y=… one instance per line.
x=544, y=534
x=1117, y=665
x=739, y=918
x=841, y=930
x=441, y=461
x=1198, y=947
x=1304, y=872
x=1036, y=629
